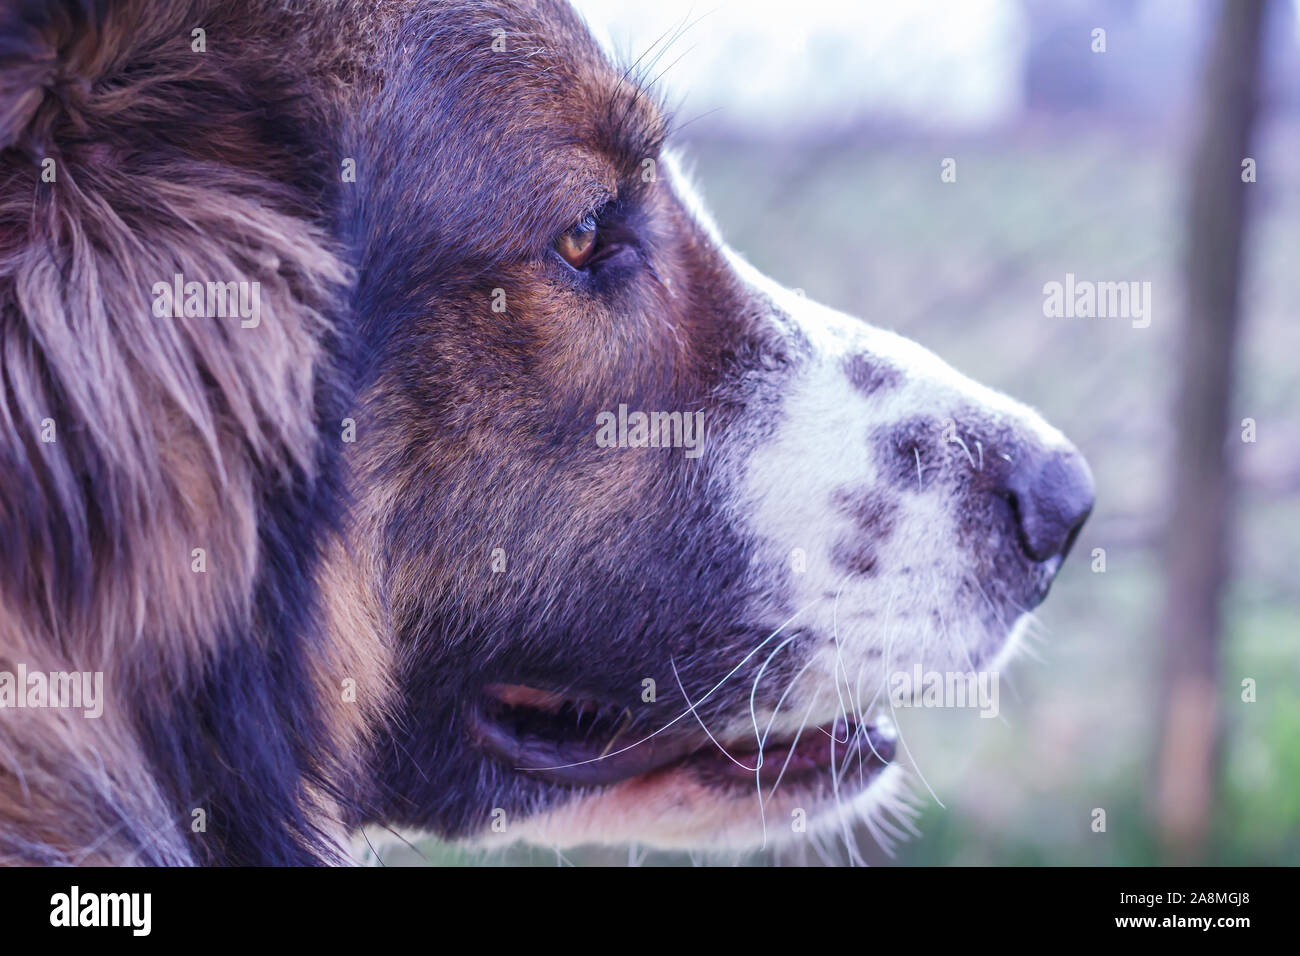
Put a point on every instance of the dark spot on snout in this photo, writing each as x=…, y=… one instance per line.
x=873, y=511
x=869, y=377
x=857, y=559
x=898, y=448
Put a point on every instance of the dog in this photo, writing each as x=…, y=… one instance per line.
x=388, y=428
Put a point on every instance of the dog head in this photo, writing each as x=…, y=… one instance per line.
x=651, y=531
x=524, y=507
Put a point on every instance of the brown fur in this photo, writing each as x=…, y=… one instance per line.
x=164, y=429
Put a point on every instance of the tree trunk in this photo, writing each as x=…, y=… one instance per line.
x=1197, y=539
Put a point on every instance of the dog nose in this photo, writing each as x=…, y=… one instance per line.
x=1051, y=494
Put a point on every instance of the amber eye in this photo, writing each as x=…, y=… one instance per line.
x=577, y=245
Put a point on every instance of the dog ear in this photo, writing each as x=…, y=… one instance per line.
x=48, y=52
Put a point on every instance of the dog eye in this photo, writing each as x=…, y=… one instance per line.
x=577, y=245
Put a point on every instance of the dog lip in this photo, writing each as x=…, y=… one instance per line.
x=511, y=723
x=846, y=749
x=535, y=732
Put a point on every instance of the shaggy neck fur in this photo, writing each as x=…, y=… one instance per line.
x=228, y=733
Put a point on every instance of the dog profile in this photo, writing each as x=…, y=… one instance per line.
x=385, y=423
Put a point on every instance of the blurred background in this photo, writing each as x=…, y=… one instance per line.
x=816, y=132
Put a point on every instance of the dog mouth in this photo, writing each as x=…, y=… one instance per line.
x=578, y=741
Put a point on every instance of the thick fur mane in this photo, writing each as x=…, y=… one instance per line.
x=127, y=441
